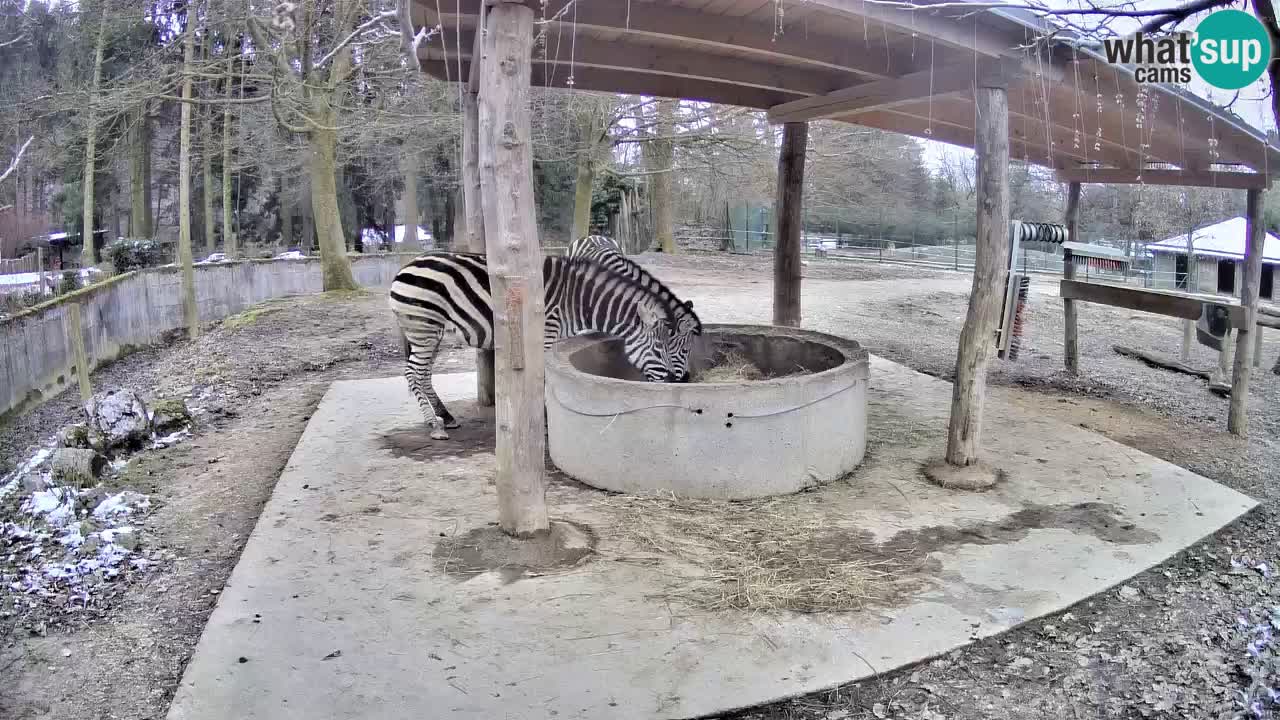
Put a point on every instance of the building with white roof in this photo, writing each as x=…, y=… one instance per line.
x=1219, y=257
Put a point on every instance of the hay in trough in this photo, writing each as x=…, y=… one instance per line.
x=733, y=366
x=765, y=555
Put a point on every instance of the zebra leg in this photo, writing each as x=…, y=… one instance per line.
x=417, y=370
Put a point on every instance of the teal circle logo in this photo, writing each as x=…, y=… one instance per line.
x=1232, y=49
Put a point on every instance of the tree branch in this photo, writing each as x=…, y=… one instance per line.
x=16, y=159
x=378, y=19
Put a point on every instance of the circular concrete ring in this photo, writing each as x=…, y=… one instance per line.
x=734, y=440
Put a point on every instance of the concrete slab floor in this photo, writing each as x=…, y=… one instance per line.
x=341, y=606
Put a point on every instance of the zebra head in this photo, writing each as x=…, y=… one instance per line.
x=687, y=327
x=648, y=345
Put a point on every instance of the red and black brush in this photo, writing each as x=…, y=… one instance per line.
x=1015, y=332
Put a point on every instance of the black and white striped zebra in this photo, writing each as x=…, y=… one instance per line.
x=438, y=290
x=686, y=325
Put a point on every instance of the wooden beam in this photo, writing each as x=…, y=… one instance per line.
x=977, y=338
x=586, y=51
x=875, y=95
x=790, y=219
x=955, y=30
x=637, y=83
x=1188, y=178
x=733, y=35
x=473, y=213
x=515, y=268
x=1070, y=338
x=1251, y=282
x=1159, y=302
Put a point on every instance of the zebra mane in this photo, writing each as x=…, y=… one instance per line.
x=651, y=283
x=660, y=294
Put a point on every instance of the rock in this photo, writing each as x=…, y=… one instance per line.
x=77, y=466
x=1129, y=592
x=118, y=419
x=74, y=436
x=34, y=482
x=169, y=414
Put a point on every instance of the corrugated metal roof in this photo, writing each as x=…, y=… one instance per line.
x=1224, y=240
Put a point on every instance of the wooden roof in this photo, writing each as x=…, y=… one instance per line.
x=905, y=71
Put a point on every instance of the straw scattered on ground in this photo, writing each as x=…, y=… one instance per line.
x=767, y=555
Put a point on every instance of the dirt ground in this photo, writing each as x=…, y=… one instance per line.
x=1169, y=644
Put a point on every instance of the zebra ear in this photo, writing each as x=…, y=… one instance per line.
x=688, y=304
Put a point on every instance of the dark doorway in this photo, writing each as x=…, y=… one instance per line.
x=1180, y=271
x=1268, y=281
x=1227, y=276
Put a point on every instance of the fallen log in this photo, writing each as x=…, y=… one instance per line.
x=77, y=466
x=1160, y=361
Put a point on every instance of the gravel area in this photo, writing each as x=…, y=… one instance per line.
x=1190, y=639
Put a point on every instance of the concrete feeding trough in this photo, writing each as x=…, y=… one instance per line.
x=803, y=424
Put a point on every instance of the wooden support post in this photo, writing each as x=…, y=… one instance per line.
x=473, y=213
x=75, y=335
x=1070, y=345
x=40, y=269
x=515, y=267
x=977, y=339
x=1257, y=346
x=1188, y=334
x=790, y=201
x=1251, y=282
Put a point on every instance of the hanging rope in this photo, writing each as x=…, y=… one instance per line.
x=699, y=411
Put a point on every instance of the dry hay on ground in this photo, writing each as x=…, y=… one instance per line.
x=765, y=555
x=733, y=366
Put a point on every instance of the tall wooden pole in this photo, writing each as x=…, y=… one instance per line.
x=1238, y=413
x=789, y=211
x=515, y=267
x=977, y=339
x=473, y=213
x=1070, y=344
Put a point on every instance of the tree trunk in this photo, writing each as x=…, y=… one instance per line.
x=140, y=176
x=582, y=191
x=206, y=176
x=190, y=314
x=663, y=157
x=977, y=338
x=515, y=268
x=790, y=214
x=286, y=215
x=410, y=216
x=324, y=207
x=229, y=244
x=87, y=255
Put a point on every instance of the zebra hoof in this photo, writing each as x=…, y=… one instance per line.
x=438, y=434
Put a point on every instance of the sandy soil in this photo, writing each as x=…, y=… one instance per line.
x=1166, y=645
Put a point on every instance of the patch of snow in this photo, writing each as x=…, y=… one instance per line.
x=11, y=481
x=122, y=503
x=57, y=505
x=171, y=438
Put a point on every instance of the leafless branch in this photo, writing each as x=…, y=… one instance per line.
x=379, y=19
x=13, y=41
x=16, y=159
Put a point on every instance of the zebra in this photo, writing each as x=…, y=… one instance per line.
x=687, y=325
x=442, y=289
